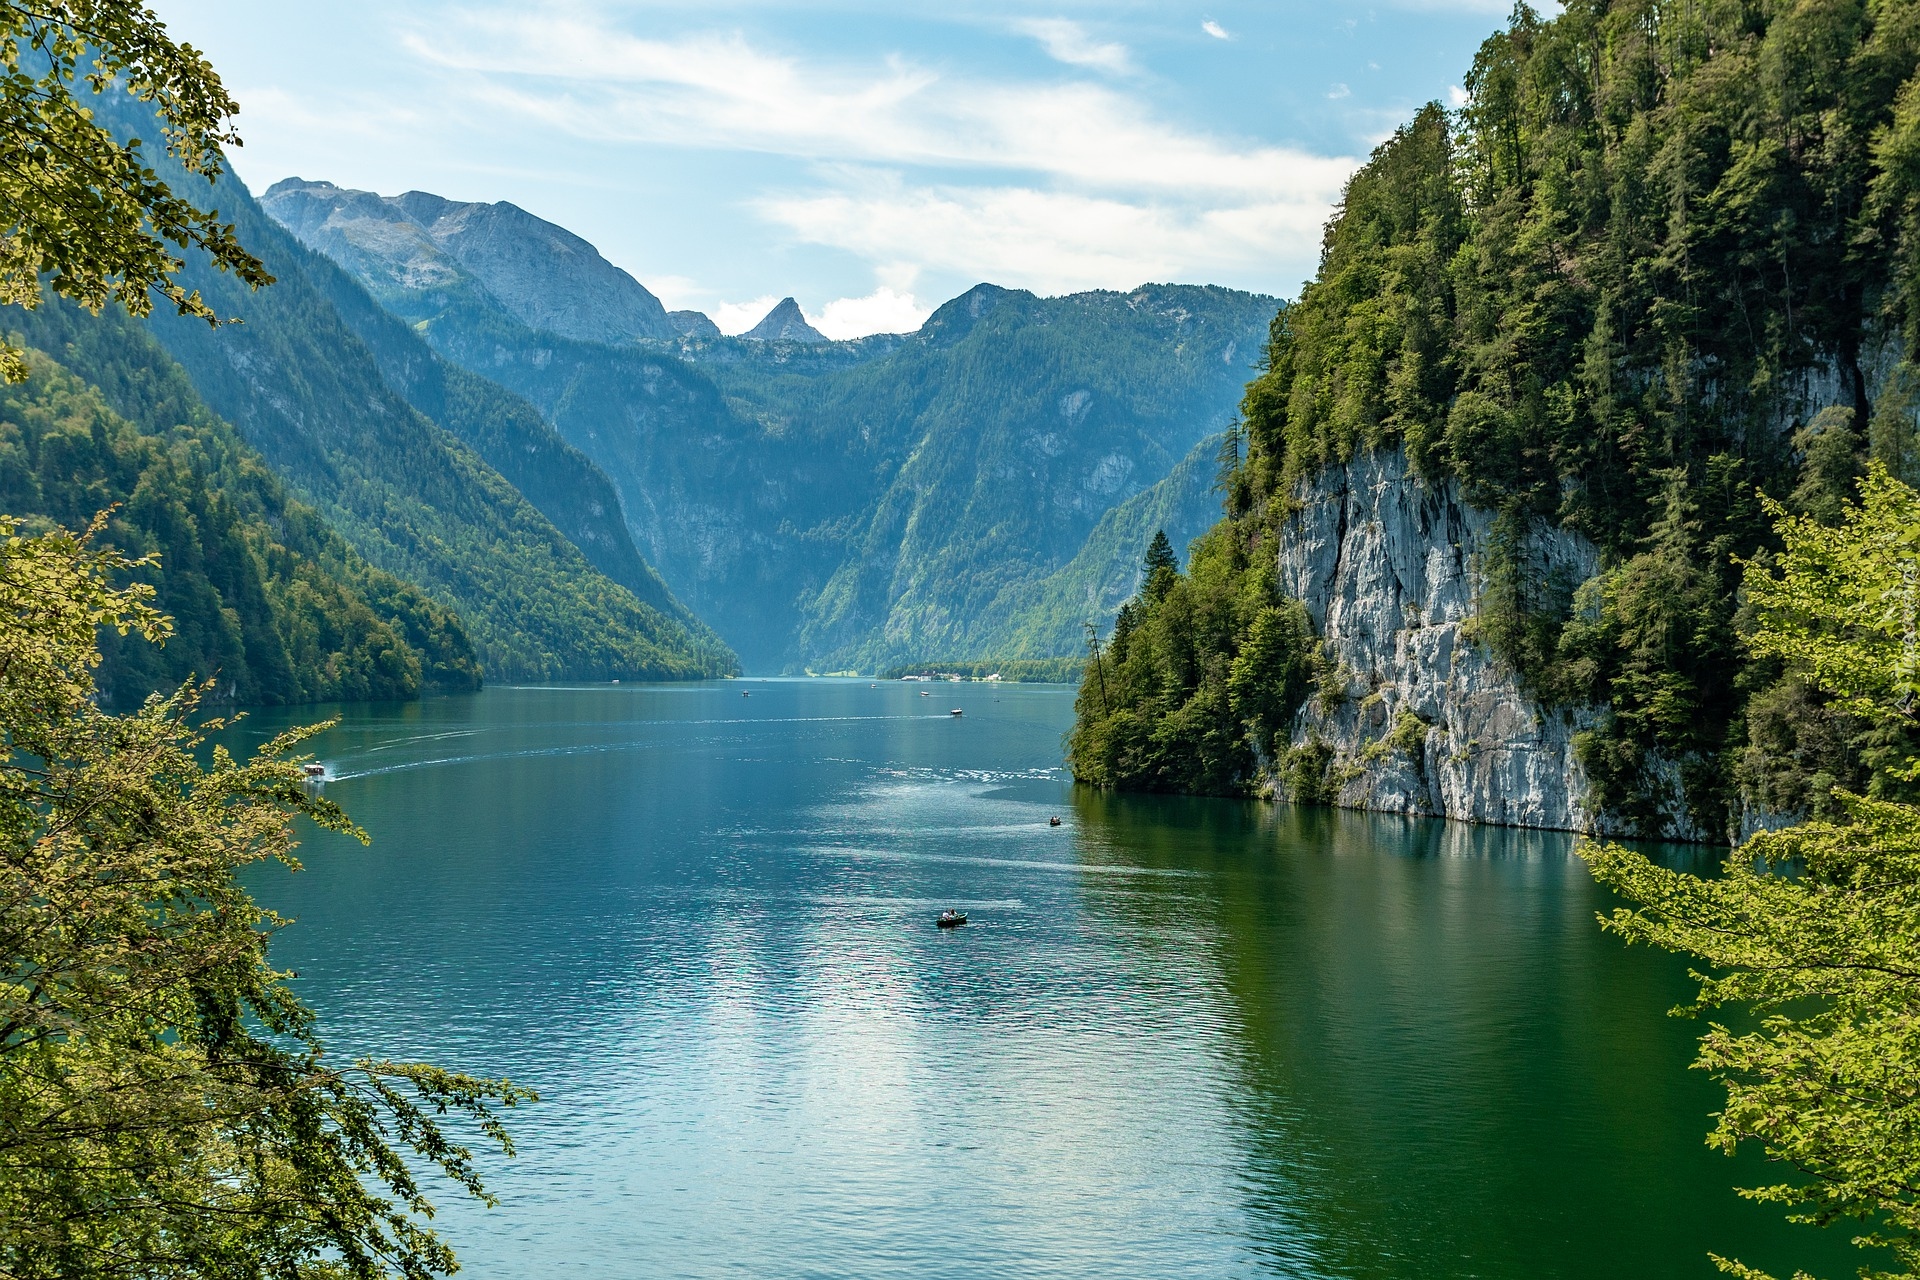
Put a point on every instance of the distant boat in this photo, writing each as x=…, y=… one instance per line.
x=314, y=770
x=925, y=694
x=1053, y=822
x=956, y=712
x=745, y=694
x=951, y=919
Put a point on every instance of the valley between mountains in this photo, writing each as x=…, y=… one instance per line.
x=480, y=451
x=980, y=488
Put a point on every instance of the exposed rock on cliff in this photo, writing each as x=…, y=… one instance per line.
x=1420, y=718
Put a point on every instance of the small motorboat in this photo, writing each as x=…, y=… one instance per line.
x=925, y=694
x=1053, y=822
x=956, y=712
x=951, y=919
x=314, y=770
x=745, y=694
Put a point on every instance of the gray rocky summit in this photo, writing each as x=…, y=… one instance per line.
x=489, y=254
x=785, y=323
x=694, y=324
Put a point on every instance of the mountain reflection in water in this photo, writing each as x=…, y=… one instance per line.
x=1178, y=1037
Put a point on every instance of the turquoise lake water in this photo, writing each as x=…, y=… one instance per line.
x=1180, y=1038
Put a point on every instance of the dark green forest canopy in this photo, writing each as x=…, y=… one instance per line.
x=1667, y=258
x=266, y=599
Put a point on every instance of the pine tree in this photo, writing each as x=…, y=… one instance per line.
x=1161, y=568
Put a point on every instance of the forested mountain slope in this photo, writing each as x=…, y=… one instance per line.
x=305, y=391
x=1022, y=422
x=1050, y=615
x=1664, y=261
x=266, y=599
x=510, y=434
x=853, y=505
x=841, y=505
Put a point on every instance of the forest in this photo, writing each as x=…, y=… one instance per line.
x=1660, y=271
x=267, y=600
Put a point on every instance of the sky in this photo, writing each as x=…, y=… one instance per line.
x=870, y=160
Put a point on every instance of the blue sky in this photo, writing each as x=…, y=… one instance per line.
x=871, y=160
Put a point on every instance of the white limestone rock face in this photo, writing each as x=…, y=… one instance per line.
x=1386, y=564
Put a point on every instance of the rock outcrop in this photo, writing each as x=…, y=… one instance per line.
x=1425, y=720
x=785, y=323
x=696, y=325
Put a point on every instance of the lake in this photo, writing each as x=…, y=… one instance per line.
x=1179, y=1037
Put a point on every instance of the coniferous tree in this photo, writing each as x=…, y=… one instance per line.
x=1160, y=567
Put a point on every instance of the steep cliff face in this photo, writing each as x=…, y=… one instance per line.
x=1425, y=720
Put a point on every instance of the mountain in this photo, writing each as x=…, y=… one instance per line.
x=1511, y=445
x=1050, y=615
x=411, y=497
x=266, y=599
x=837, y=505
x=785, y=323
x=510, y=435
x=541, y=274
x=1012, y=425
x=693, y=324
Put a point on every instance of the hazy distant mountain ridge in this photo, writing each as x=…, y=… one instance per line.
x=512, y=436
x=1048, y=615
x=418, y=243
x=1030, y=420
x=694, y=324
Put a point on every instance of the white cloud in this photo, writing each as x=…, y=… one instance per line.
x=1215, y=30
x=719, y=92
x=1068, y=42
x=738, y=317
x=882, y=311
x=678, y=293
x=1339, y=91
x=1457, y=96
x=1043, y=185
x=1052, y=242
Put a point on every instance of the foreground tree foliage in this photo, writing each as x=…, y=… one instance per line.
x=84, y=213
x=1815, y=930
x=165, y=1107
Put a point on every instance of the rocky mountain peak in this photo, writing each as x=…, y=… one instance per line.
x=544, y=275
x=694, y=324
x=785, y=323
